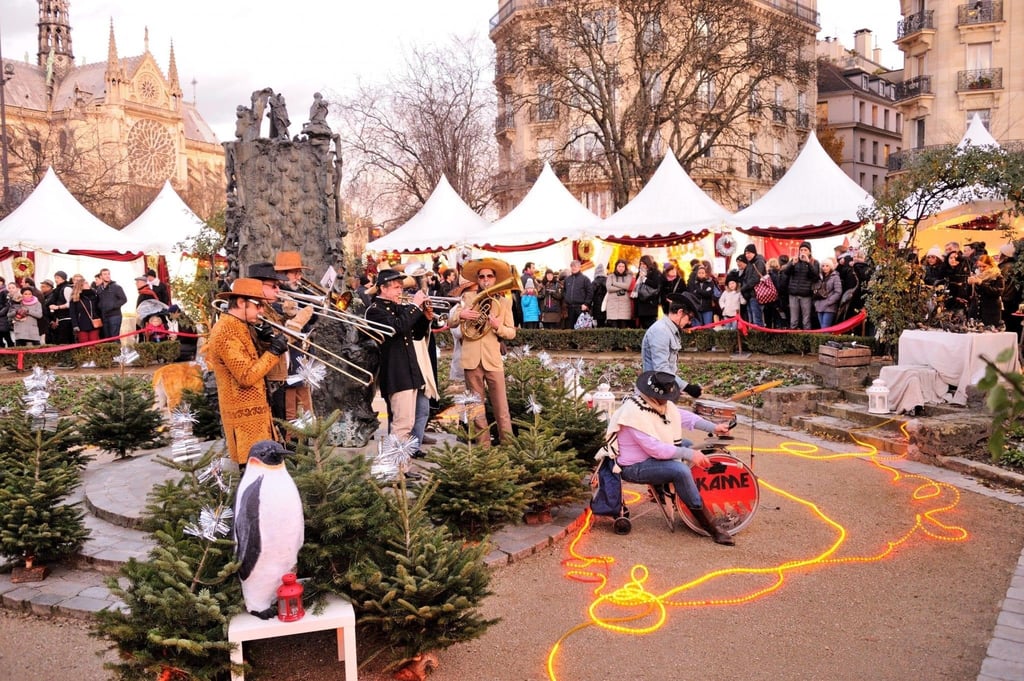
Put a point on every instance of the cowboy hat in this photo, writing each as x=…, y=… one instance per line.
x=289, y=260
x=245, y=288
x=264, y=271
x=688, y=301
x=658, y=385
x=500, y=268
x=416, y=268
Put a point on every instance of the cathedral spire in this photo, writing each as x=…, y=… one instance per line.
x=172, y=71
x=55, y=35
x=111, y=48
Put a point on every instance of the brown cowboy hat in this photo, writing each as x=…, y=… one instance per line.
x=245, y=288
x=289, y=260
x=501, y=269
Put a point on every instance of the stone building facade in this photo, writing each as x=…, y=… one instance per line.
x=114, y=131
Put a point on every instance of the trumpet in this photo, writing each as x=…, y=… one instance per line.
x=436, y=302
x=364, y=378
x=374, y=330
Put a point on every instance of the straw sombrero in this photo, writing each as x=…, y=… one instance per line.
x=245, y=288
x=289, y=260
x=501, y=269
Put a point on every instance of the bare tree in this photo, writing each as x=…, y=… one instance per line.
x=89, y=167
x=633, y=77
x=434, y=118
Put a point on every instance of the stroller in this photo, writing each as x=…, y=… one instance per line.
x=606, y=487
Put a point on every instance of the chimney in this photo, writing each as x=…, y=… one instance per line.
x=876, y=55
x=862, y=42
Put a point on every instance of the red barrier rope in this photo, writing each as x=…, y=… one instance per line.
x=45, y=349
x=743, y=326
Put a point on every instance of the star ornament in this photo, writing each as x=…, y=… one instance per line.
x=312, y=371
x=533, y=406
x=212, y=522
x=127, y=356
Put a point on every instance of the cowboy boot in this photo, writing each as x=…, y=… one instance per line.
x=712, y=526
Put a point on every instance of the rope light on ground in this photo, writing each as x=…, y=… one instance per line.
x=631, y=609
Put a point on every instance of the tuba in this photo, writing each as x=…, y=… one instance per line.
x=484, y=304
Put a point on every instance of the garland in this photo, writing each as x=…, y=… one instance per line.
x=23, y=267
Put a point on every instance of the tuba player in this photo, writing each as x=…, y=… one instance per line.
x=484, y=325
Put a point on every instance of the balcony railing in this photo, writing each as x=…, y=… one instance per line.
x=778, y=114
x=544, y=112
x=914, y=23
x=901, y=159
x=799, y=10
x=914, y=87
x=979, y=79
x=754, y=169
x=504, y=123
x=979, y=13
x=803, y=120
x=507, y=9
x=778, y=172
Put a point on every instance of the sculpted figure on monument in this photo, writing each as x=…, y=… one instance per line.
x=317, y=125
x=278, y=118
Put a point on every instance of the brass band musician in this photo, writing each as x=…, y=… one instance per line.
x=277, y=377
x=485, y=319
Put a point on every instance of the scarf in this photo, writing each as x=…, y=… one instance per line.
x=636, y=413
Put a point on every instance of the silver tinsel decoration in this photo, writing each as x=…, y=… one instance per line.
x=127, y=356
x=212, y=522
x=214, y=472
x=545, y=358
x=305, y=421
x=37, y=399
x=533, y=406
x=312, y=371
x=393, y=457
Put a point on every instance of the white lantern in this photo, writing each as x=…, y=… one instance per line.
x=878, y=397
x=604, y=399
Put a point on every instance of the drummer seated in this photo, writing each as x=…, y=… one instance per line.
x=649, y=427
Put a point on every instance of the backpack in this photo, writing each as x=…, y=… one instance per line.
x=606, y=488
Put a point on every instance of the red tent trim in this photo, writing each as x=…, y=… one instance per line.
x=805, y=232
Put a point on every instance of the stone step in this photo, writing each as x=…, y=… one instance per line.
x=843, y=430
x=859, y=414
x=860, y=397
x=116, y=490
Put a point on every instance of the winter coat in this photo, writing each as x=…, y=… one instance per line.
x=84, y=310
x=756, y=269
x=5, y=307
x=704, y=289
x=677, y=285
x=549, y=295
x=1012, y=289
x=990, y=297
x=25, y=319
x=834, y=287
x=649, y=308
x=399, y=368
x=531, y=308
x=111, y=298
x=619, y=305
x=802, y=276
x=600, y=291
x=578, y=290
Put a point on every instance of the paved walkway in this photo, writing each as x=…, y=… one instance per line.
x=115, y=494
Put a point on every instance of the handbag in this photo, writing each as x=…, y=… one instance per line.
x=765, y=290
x=585, y=321
x=819, y=290
x=96, y=323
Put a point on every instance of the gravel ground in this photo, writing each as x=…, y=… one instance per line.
x=926, y=611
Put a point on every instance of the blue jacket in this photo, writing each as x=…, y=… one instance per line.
x=531, y=308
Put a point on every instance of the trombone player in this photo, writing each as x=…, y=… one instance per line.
x=485, y=320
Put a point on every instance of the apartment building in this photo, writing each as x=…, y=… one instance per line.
x=959, y=61
x=857, y=100
x=736, y=133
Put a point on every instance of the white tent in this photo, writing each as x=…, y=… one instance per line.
x=669, y=206
x=547, y=214
x=814, y=199
x=165, y=223
x=444, y=221
x=51, y=219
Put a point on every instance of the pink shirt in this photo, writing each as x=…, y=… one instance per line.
x=636, y=446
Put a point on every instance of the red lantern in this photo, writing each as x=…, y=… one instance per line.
x=289, y=599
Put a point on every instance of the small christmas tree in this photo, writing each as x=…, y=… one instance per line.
x=120, y=416
x=207, y=425
x=179, y=601
x=41, y=463
x=426, y=592
x=551, y=471
x=477, y=489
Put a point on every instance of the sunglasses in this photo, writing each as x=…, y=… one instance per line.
x=485, y=276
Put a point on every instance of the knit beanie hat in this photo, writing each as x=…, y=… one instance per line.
x=750, y=248
x=805, y=244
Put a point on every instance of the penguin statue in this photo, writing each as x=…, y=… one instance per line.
x=269, y=527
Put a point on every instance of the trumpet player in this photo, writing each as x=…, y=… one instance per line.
x=240, y=369
x=481, y=349
x=277, y=377
x=299, y=318
x=400, y=378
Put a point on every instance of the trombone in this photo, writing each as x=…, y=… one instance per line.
x=370, y=328
x=364, y=380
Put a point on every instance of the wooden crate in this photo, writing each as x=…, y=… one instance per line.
x=844, y=357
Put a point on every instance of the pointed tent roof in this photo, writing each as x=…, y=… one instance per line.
x=443, y=222
x=51, y=219
x=814, y=199
x=547, y=214
x=670, y=208
x=977, y=135
x=165, y=223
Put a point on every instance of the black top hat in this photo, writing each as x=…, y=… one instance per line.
x=658, y=385
x=264, y=271
x=685, y=300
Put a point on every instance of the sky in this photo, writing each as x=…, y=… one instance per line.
x=231, y=48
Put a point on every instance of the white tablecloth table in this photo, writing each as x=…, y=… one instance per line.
x=912, y=386
x=957, y=357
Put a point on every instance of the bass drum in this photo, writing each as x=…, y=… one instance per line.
x=729, y=490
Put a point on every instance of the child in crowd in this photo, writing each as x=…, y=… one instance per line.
x=730, y=302
x=531, y=306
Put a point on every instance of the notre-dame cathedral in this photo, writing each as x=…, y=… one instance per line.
x=113, y=131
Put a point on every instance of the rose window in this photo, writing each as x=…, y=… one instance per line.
x=151, y=152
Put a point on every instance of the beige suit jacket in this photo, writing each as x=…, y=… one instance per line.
x=485, y=352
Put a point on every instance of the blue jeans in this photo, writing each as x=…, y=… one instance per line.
x=707, y=317
x=419, y=427
x=112, y=326
x=662, y=471
x=826, y=319
x=754, y=311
